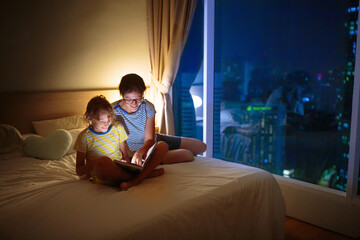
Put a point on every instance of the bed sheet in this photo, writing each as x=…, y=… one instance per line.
x=207, y=198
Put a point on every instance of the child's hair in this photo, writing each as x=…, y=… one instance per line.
x=95, y=106
x=131, y=82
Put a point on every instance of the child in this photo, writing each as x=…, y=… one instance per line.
x=102, y=142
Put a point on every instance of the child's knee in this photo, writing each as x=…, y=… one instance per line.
x=102, y=162
x=100, y=167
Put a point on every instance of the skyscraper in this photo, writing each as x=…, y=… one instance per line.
x=346, y=95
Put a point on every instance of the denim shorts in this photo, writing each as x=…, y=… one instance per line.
x=172, y=141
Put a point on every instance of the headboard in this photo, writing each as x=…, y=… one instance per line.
x=21, y=109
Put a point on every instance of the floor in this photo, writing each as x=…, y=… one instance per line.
x=298, y=230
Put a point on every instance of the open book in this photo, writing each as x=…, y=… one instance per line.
x=135, y=167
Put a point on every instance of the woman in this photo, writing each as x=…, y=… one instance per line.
x=138, y=117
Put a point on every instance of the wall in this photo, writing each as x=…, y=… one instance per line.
x=71, y=44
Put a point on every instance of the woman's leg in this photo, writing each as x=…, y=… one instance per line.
x=192, y=144
x=161, y=150
x=178, y=156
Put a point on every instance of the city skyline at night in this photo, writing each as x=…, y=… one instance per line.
x=304, y=47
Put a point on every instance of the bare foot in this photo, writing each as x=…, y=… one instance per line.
x=124, y=186
x=135, y=181
x=128, y=184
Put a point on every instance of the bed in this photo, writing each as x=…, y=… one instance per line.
x=204, y=199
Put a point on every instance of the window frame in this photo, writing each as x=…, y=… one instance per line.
x=304, y=201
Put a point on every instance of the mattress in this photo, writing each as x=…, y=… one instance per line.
x=204, y=199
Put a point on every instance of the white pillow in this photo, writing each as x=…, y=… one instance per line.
x=46, y=127
x=73, y=132
x=52, y=147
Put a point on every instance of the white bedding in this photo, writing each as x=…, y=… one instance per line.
x=203, y=199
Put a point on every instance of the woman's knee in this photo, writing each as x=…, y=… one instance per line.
x=201, y=147
x=178, y=156
x=194, y=145
x=162, y=147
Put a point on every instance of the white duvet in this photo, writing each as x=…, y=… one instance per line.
x=203, y=199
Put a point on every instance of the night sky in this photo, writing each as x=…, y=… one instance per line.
x=306, y=35
x=296, y=35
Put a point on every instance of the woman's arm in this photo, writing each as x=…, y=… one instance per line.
x=149, y=132
x=148, y=141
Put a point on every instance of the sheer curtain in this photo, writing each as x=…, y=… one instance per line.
x=168, y=26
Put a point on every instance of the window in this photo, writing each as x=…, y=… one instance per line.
x=283, y=82
x=261, y=47
x=284, y=91
x=188, y=85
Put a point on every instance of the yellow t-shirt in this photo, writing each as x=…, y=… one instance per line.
x=96, y=145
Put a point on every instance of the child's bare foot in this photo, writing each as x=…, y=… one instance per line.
x=128, y=184
x=135, y=181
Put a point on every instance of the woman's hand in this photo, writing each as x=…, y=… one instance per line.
x=137, y=158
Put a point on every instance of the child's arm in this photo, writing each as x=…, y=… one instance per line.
x=82, y=170
x=124, y=152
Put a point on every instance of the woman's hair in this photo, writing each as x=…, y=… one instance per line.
x=131, y=82
x=95, y=106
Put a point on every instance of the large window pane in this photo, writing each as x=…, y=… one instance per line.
x=284, y=73
x=358, y=190
x=188, y=85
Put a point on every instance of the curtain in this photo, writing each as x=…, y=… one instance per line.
x=168, y=26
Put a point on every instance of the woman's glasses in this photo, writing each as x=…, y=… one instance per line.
x=136, y=100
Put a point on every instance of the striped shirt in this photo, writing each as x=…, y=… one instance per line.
x=134, y=123
x=95, y=144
